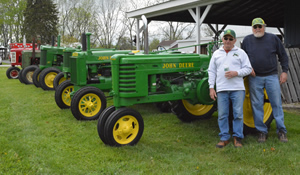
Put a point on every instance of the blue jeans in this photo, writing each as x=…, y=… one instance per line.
x=272, y=86
x=237, y=99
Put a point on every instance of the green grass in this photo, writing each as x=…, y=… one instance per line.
x=37, y=137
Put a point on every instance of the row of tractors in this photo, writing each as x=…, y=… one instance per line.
x=83, y=79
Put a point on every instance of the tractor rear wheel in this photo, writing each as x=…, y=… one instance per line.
x=188, y=112
x=27, y=74
x=101, y=122
x=36, y=77
x=59, y=78
x=47, y=76
x=63, y=94
x=124, y=126
x=164, y=107
x=88, y=103
x=13, y=72
x=249, y=126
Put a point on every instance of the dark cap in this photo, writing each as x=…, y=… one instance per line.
x=229, y=32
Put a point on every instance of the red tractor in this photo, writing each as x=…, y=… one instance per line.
x=16, y=58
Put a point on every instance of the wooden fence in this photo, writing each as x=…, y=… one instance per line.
x=290, y=91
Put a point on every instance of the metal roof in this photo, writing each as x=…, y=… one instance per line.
x=231, y=12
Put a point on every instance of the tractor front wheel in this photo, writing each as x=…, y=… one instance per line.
x=101, y=122
x=88, y=103
x=59, y=78
x=63, y=94
x=188, y=112
x=124, y=126
x=12, y=72
x=27, y=74
x=47, y=76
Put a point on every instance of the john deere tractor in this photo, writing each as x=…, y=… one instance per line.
x=90, y=77
x=50, y=65
x=136, y=79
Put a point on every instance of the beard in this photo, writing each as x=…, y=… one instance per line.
x=259, y=35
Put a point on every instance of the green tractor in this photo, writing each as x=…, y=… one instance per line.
x=179, y=78
x=66, y=69
x=50, y=65
x=30, y=62
x=90, y=77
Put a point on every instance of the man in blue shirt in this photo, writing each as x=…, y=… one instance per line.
x=263, y=49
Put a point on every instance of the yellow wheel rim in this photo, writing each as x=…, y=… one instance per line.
x=248, y=116
x=29, y=76
x=49, y=79
x=65, y=96
x=197, y=109
x=126, y=129
x=61, y=80
x=89, y=105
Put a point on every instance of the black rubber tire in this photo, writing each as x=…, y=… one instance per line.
x=20, y=76
x=36, y=77
x=27, y=74
x=81, y=93
x=58, y=79
x=184, y=115
x=101, y=122
x=45, y=83
x=64, y=87
x=11, y=71
x=111, y=126
x=164, y=107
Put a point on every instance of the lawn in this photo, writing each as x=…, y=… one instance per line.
x=37, y=137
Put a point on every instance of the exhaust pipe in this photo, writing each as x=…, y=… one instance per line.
x=83, y=41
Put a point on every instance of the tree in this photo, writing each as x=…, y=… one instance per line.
x=77, y=17
x=40, y=20
x=11, y=20
x=129, y=23
x=124, y=44
x=177, y=30
x=153, y=45
x=109, y=22
x=206, y=30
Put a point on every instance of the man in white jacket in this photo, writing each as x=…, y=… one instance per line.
x=227, y=67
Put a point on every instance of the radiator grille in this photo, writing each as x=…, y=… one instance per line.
x=127, y=79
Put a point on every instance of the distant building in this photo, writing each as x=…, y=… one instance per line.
x=184, y=44
x=165, y=45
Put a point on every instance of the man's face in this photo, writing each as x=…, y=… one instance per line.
x=228, y=41
x=258, y=30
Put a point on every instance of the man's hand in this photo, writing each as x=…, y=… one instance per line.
x=212, y=93
x=253, y=73
x=283, y=77
x=231, y=74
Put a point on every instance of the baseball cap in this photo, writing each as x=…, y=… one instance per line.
x=229, y=32
x=258, y=21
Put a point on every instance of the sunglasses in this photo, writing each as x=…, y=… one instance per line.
x=230, y=39
x=257, y=26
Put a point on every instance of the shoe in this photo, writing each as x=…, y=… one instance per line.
x=262, y=137
x=282, y=136
x=222, y=144
x=237, y=142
